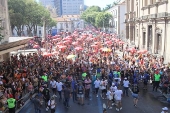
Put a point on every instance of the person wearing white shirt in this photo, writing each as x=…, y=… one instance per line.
x=59, y=88
x=53, y=84
x=97, y=85
x=52, y=104
x=126, y=86
x=103, y=85
x=113, y=88
x=118, y=97
x=109, y=97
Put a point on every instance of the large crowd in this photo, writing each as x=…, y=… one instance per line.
x=73, y=64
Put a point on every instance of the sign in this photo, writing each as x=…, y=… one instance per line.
x=53, y=32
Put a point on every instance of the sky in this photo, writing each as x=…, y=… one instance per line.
x=100, y=3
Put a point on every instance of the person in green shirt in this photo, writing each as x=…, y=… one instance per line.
x=11, y=102
x=157, y=78
x=45, y=78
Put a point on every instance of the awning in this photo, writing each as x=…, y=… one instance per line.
x=6, y=48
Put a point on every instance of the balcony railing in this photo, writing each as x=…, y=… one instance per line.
x=151, y=16
x=145, y=17
x=162, y=15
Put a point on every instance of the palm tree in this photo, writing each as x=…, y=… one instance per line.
x=115, y=2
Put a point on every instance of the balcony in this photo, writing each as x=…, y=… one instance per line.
x=152, y=16
x=162, y=15
x=145, y=17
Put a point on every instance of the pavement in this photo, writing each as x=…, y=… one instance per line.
x=149, y=102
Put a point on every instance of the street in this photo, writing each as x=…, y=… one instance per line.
x=149, y=102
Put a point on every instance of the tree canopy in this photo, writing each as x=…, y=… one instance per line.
x=27, y=13
x=93, y=15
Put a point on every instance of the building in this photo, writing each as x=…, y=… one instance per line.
x=71, y=7
x=117, y=23
x=4, y=21
x=68, y=23
x=7, y=45
x=64, y=7
x=47, y=2
x=58, y=5
x=147, y=25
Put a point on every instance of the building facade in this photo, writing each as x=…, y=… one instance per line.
x=4, y=21
x=117, y=23
x=71, y=7
x=147, y=25
x=68, y=23
x=64, y=7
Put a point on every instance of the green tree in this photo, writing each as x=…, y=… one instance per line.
x=102, y=19
x=16, y=14
x=26, y=13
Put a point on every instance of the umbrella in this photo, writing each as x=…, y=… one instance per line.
x=74, y=43
x=71, y=56
x=78, y=48
x=62, y=47
x=121, y=42
x=142, y=51
x=36, y=46
x=55, y=53
x=108, y=42
x=106, y=49
x=132, y=50
x=47, y=54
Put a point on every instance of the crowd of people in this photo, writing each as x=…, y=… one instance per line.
x=75, y=64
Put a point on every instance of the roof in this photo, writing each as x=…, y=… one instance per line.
x=71, y=16
x=14, y=39
x=13, y=44
x=60, y=19
x=67, y=18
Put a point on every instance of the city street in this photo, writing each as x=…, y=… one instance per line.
x=149, y=102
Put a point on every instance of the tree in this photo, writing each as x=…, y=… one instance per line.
x=102, y=19
x=51, y=23
x=26, y=13
x=16, y=14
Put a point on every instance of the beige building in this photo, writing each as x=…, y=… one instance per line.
x=68, y=23
x=147, y=25
x=4, y=20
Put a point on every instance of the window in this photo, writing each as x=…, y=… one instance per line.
x=137, y=32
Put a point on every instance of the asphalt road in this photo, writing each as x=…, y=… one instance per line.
x=149, y=102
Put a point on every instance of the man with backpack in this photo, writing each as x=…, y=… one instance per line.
x=80, y=93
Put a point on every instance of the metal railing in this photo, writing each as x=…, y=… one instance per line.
x=20, y=101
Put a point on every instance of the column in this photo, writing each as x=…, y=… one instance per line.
x=153, y=37
x=44, y=30
x=146, y=38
